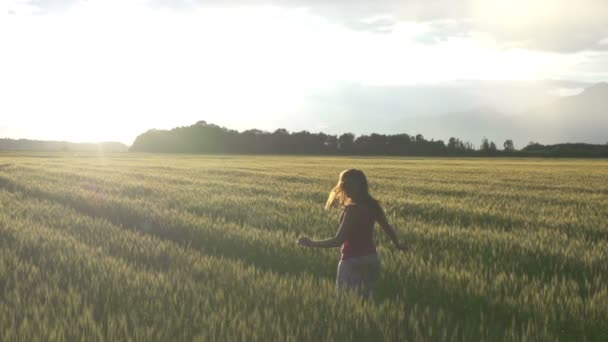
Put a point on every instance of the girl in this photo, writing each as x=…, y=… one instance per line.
x=359, y=267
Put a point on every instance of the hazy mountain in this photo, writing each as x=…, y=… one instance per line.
x=435, y=110
x=41, y=145
x=577, y=118
x=350, y=101
x=472, y=125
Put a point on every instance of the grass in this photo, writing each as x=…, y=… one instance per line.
x=165, y=247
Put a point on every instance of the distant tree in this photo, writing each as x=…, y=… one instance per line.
x=346, y=142
x=398, y=144
x=203, y=137
x=457, y=145
x=485, y=144
x=281, y=131
x=508, y=145
x=280, y=141
x=330, y=142
x=488, y=147
x=453, y=143
x=362, y=145
x=378, y=143
x=533, y=145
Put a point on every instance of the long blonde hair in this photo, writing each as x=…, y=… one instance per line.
x=352, y=186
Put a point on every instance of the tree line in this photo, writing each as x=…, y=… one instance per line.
x=203, y=137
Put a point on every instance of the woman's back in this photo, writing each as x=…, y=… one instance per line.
x=359, y=240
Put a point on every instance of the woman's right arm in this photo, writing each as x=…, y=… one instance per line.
x=390, y=231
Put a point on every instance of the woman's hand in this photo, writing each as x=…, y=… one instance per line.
x=304, y=241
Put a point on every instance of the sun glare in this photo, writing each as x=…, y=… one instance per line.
x=94, y=73
x=517, y=14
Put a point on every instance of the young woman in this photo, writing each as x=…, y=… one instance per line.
x=359, y=267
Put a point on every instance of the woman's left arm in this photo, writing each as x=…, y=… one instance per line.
x=335, y=241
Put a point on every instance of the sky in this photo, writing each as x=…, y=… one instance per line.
x=107, y=70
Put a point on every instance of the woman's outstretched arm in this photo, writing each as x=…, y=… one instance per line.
x=336, y=241
x=390, y=231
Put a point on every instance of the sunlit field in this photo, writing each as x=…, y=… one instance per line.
x=161, y=247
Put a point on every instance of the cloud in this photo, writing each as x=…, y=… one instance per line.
x=592, y=67
x=378, y=25
x=441, y=31
x=37, y=6
x=550, y=25
x=553, y=25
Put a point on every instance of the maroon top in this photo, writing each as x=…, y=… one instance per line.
x=360, y=233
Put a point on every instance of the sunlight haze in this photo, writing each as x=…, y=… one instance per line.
x=110, y=70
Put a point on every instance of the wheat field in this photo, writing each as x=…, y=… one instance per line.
x=182, y=247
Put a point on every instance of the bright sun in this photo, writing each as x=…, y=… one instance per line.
x=94, y=73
